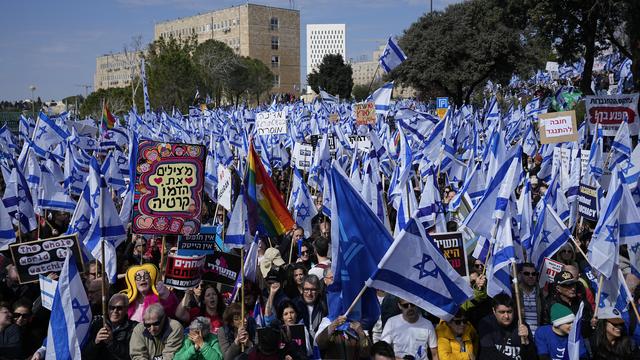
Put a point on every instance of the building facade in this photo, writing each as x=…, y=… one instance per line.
x=270, y=34
x=324, y=39
x=116, y=70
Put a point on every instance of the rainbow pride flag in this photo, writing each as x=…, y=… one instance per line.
x=108, y=120
x=266, y=209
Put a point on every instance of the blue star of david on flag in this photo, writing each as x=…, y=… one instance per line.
x=426, y=267
x=545, y=236
x=612, y=230
x=84, y=317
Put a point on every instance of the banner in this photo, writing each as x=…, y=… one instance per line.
x=558, y=127
x=271, y=123
x=365, y=113
x=183, y=272
x=302, y=156
x=199, y=244
x=549, y=270
x=221, y=268
x=452, y=247
x=44, y=256
x=611, y=111
x=224, y=187
x=588, y=202
x=169, y=181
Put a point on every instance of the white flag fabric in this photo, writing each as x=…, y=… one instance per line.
x=392, y=56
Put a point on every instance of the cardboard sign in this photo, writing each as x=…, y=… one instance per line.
x=549, y=270
x=44, y=256
x=199, y=244
x=588, y=202
x=169, y=182
x=183, y=272
x=452, y=247
x=558, y=127
x=224, y=187
x=365, y=113
x=298, y=337
x=611, y=111
x=271, y=123
x=221, y=268
x=302, y=156
x=47, y=291
x=552, y=66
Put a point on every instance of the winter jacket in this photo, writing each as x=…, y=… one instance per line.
x=145, y=346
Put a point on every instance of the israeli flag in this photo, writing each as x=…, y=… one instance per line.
x=47, y=132
x=381, y=98
x=392, y=56
x=414, y=269
x=7, y=234
x=51, y=195
x=18, y=201
x=549, y=235
x=302, y=204
x=70, y=314
x=574, y=344
x=621, y=146
x=145, y=91
x=84, y=213
x=236, y=235
x=503, y=256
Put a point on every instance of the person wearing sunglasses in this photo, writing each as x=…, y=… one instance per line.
x=111, y=340
x=145, y=287
x=156, y=337
x=610, y=339
x=457, y=339
x=410, y=333
x=33, y=332
x=566, y=293
x=531, y=296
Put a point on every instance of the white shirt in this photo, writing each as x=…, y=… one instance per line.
x=410, y=339
x=318, y=271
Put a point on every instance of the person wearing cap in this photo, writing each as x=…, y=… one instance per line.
x=610, y=339
x=270, y=260
x=566, y=294
x=552, y=340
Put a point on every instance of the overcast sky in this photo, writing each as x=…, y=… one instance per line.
x=54, y=44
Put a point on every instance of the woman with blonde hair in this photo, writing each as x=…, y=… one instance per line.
x=145, y=288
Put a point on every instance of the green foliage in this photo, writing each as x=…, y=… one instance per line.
x=214, y=61
x=119, y=100
x=171, y=72
x=458, y=50
x=260, y=78
x=333, y=76
x=360, y=92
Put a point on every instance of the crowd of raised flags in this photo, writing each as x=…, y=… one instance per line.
x=505, y=192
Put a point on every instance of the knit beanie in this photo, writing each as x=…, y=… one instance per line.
x=561, y=314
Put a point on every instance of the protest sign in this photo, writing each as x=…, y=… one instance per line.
x=44, y=256
x=224, y=187
x=365, y=113
x=334, y=117
x=549, y=270
x=198, y=244
x=47, y=291
x=558, y=127
x=221, y=268
x=302, y=156
x=611, y=110
x=452, y=247
x=183, y=272
x=298, y=337
x=169, y=182
x=588, y=202
x=271, y=123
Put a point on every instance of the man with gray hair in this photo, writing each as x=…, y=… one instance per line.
x=201, y=343
x=110, y=340
x=157, y=337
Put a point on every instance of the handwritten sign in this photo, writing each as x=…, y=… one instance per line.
x=558, y=127
x=169, y=182
x=221, y=268
x=183, y=272
x=44, y=256
x=365, y=113
x=302, y=156
x=588, y=202
x=611, y=110
x=549, y=270
x=452, y=247
x=200, y=244
x=224, y=187
x=271, y=123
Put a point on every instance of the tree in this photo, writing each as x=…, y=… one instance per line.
x=461, y=48
x=239, y=81
x=215, y=61
x=119, y=100
x=623, y=31
x=260, y=78
x=333, y=76
x=171, y=72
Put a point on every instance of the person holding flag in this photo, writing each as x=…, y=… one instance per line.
x=552, y=340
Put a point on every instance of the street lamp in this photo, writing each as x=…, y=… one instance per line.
x=33, y=102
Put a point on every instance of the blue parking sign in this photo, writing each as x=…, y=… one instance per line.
x=442, y=103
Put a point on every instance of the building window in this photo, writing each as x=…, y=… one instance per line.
x=276, y=80
x=275, y=61
x=275, y=43
x=274, y=23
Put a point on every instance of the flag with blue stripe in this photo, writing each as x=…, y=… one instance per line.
x=391, y=56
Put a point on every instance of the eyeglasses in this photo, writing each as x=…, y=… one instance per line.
x=144, y=276
x=566, y=251
x=116, y=307
x=310, y=290
x=148, y=325
x=19, y=315
x=306, y=252
x=616, y=324
x=406, y=305
x=478, y=265
x=459, y=321
x=527, y=273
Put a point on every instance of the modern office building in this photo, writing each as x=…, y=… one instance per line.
x=116, y=70
x=270, y=34
x=324, y=39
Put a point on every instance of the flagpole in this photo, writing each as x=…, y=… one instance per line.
x=516, y=290
x=374, y=77
x=353, y=304
x=104, y=287
x=241, y=293
x=600, y=281
x=163, y=255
